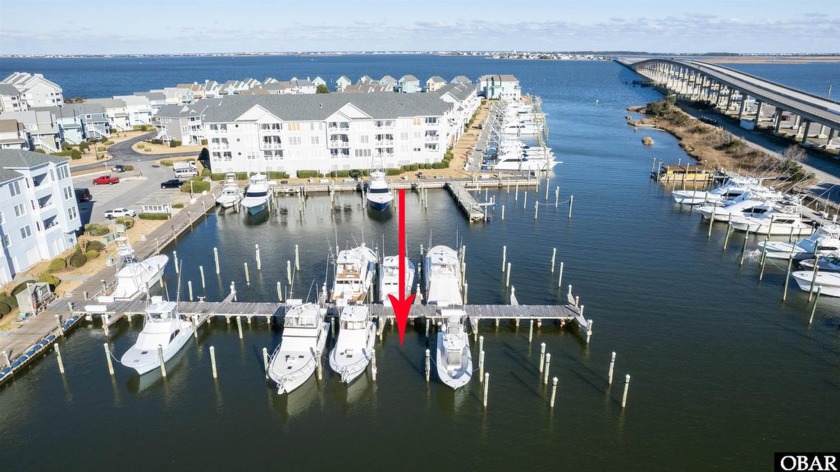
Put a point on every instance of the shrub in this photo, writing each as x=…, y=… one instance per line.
x=107, y=143
x=166, y=162
x=50, y=279
x=177, y=205
x=57, y=264
x=78, y=259
x=96, y=229
x=4, y=308
x=206, y=173
x=153, y=216
x=126, y=221
x=427, y=165
x=204, y=142
x=392, y=171
x=340, y=173
x=20, y=287
x=128, y=167
x=75, y=154
x=439, y=165
x=92, y=254
x=198, y=186
x=414, y=167
x=84, y=146
x=448, y=155
x=174, y=143
x=141, y=146
x=94, y=244
x=277, y=175
x=156, y=141
x=65, y=146
x=305, y=174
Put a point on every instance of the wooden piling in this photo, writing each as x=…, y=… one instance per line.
x=763, y=259
x=108, y=358
x=560, y=280
x=530, y=331
x=279, y=293
x=525, y=200
x=257, y=251
x=728, y=232
x=265, y=361
x=428, y=365
x=553, y=392
x=189, y=289
x=787, y=278
x=239, y=325
x=712, y=220
x=547, y=368
x=162, y=363
x=816, y=270
x=373, y=369
x=60, y=328
x=542, y=356
x=507, y=280
x=504, y=257
x=247, y=275
x=289, y=272
x=201, y=270
x=556, y=196
x=213, y=361
x=175, y=260
x=60, y=362
x=626, y=387
x=480, y=365
x=813, y=307
x=297, y=258
x=612, y=368
x=536, y=210
x=553, y=255
x=216, y=259
x=486, y=387
x=744, y=247
x=503, y=213
x=571, y=203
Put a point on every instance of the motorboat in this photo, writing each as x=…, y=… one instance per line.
x=304, y=339
x=734, y=187
x=353, y=348
x=378, y=195
x=829, y=263
x=774, y=222
x=453, y=358
x=230, y=194
x=257, y=194
x=389, y=279
x=825, y=240
x=828, y=283
x=354, y=270
x=134, y=277
x=743, y=205
x=442, y=270
x=165, y=332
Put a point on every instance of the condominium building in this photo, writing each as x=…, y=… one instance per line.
x=499, y=87
x=35, y=90
x=339, y=131
x=39, y=217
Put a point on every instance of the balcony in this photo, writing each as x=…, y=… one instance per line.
x=339, y=144
x=265, y=146
x=384, y=142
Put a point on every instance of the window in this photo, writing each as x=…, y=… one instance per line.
x=316, y=140
x=294, y=140
x=20, y=209
x=417, y=121
x=68, y=193
x=362, y=152
x=431, y=120
x=364, y=139
x=294, y=127
x=14, y=188
x=431, y=146
x=6, y=241
x=63, y=172
x=270, y=126
x=404, y=136
x=71, y=213
x=25, y=232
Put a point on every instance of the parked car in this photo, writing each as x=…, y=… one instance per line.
x=118, y=168
x=171, y=183
x=83, y=194
x=118, y=212
x=106, y=180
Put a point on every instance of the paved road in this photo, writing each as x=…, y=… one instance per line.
x=121, y=153
x=134, y=187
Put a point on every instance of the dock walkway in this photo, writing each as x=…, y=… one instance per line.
x=466, y=202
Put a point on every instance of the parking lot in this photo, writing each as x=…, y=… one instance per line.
x=134, y=187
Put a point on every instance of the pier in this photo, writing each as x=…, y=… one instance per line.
x=466, y=202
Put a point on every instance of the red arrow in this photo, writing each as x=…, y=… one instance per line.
x=401, y=305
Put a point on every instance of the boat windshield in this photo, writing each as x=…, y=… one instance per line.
x=378, y=190
x=256, y=194
x=453, y=357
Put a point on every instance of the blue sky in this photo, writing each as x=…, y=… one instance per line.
x=183, y=26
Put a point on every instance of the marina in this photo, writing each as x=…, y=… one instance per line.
x=678, y=333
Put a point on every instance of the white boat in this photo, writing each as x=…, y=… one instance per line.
x=442, y=271
x=733, y=188
x=354, y=270
x=743, y=205
x=257, y=194
x=827, y=282
x=829, y=263
x=164, y=328
x=230, y=194
x=454, y=359
x=773, y=222
x=825, y=240
x=353, y=349
x=378, y=195
x=304, y=338
x=389, y=279
x=134, y=277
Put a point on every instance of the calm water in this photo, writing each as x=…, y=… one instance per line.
x=723, y=373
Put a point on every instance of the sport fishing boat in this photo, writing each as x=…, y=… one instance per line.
x=231, y=194
x=304, y=339
x=829, y=263
x=745, y=204
x=454, y=359
x=827, y=282
x=354, y=270
x=353, y=349
x=734, y=187
x=774, y=222
x=378, y=195
x=134, y=276
x=825, y=240
x=443, y=277
x=164, y=333
x=389, y=278
x=257, y=194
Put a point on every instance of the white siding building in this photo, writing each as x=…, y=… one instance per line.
x=10, y=99
x=13, y=135
x=138, y=108
x=327, y=132
x=500, y=87
x=39, y=217
x=35, y=90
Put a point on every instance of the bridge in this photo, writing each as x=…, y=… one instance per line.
x=756, y=101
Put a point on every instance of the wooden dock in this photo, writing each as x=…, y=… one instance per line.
x=466, y=202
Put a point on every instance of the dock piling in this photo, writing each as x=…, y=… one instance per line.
x=504, y=257
x=536, y=210
x=60, y=328
x=525, y=200
x=189, y=289
x=373, y=369
x=813, y=307
x=507, y=280
x=289, y=271
x=480, y=365
x=530, y=331
x=194, y=320
x=213, y=361
x=763, y=259
x=466, y=287
x=503, y=213
x=571, y=203
x=547, y=368
x=712, y=221
x=556, y=196
x=626, y=388
x=239, y=326
x=107, y=358
x=486, y=386
x=247, y=275
x=728, y=232
x=542, y=356
x=58, y=358
x=744, y=247
x=553, y=392
x=297, y=258
x=428, y=365
x=8, y=361
x=162, y=362
x=553, y=255
x=201, y=270
x=216, y=259
x=787, y=277
x=265, y=361
x=257, y=253
x=175, y=260
x=816, y=270
x=279, y=293
x=560, y=280
x=612, y=368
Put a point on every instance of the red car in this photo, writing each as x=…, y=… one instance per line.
x=106, y=180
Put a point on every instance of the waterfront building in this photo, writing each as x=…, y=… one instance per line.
x=211, y=89
x=40, y=217
x=13, y=135
x=328, y=132
x=196, y=89
x=79, y=122
x=389, y=83
x=367, y=87
x=319, y=81
x=138, y=108
x=435, y=83
x=35, y=90
x=177, y=96
x=10, y=99
x=115, y=111
x=499, y=87
x=461, y=79
x=156, y=99
x=182, y=122
x=342, y=82
x=408, y=84
x=41, y=128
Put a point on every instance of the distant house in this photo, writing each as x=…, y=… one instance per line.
x=116, y=111
x=79, y=122
x=365, y=79
x=408, y=84
x=138, y=108
x=10, y=99
x=342, y=82
x=183, y=122
x=13, y=135
x=388, y=83
x=319, y=81
x=156, y=99
x=39, y=217
x=435, y=83
x=40, y=126
x=35, y=90
x=211, y=89
x=499, y=87
x=461, y=79
x=178, y=96
x=195, y=88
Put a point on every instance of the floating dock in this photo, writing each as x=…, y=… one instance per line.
x=466, y=202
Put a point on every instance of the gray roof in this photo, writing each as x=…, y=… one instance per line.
x=462, y=79
x=318, y=107
x=11, y=159
x=152, y=95
x=73, y=109
x=8, y=89
x=459, y=91
x=409, y=78
x=107, y=102
x=436, y=78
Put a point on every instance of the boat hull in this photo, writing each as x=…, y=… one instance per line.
x=453, y=378
x=145, y=361
x=350, y=370
x=287, y=380
x=136, y=280
x=777, y=229
x=827, y=282
x=379, y=205
x=256, y=209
